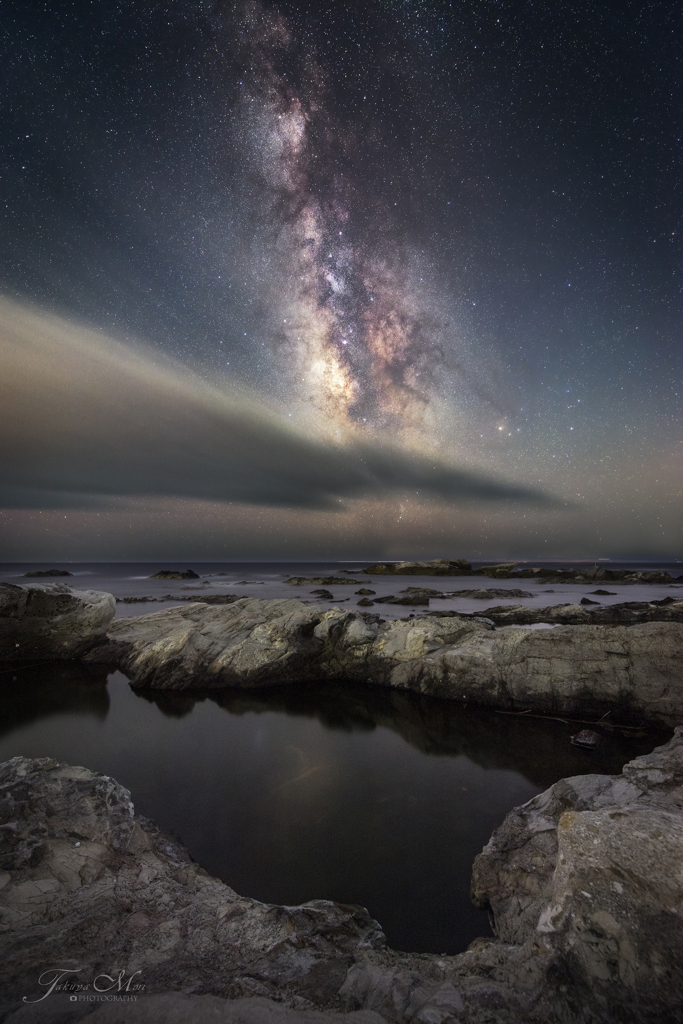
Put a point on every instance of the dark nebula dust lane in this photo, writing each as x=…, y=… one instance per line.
x=413, y=265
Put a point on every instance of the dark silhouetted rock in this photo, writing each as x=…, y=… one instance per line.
x=174, y=574
x=603, y=593
x=365, y=592
x=587, y=600
x=436, y=567
x=364, y=603
x=49, y=572
x=301, y=581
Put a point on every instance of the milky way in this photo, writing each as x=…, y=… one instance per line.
x=362, y=339
x=412, y=231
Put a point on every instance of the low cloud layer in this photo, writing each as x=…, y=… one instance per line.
x=86, y=420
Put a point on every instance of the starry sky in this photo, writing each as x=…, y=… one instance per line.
x=302, y=280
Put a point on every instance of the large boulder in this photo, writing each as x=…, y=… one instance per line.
x=44, y=620
x=635, y=672
x=587, y=877
x=89, y=887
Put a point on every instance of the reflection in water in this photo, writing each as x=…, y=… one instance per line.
x=362, y=795
x=538, y=748
x=51, y=688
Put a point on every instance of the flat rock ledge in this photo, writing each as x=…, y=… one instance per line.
x=633, y=672
x=583, y=884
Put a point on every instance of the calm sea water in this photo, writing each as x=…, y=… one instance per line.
x=268, y=580
x=361, y=795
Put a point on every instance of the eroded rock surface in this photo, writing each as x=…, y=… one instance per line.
x=635, y=672
x=583, y=883
x=87, y=885
x=49, y=620
x=588, y=613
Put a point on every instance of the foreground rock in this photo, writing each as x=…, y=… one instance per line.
x=583, y=884
x=46, y=620
x=633, y=672
x=89, y=886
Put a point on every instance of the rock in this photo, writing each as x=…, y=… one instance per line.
x=586, y=738
x=491, y=594
x=88, y=885
x=365, y=592
x=583, y=884
x=603, y=593
x=50, y=620
x=328, y=581
x=502, y=571
x=415, y=596
x=634, y=673
x=182, y=1008
x=364, y=603
x=437, y=567
x=587, y=600
x=585, y=881
x=323, y=593
x=49, y=572
x=628, y=613
x=173, y=574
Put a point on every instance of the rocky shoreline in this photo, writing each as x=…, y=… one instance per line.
x=633, y=672
x=582, y=883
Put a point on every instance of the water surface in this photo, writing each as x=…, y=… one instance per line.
x=357, y=794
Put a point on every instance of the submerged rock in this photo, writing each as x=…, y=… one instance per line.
x=50, y=620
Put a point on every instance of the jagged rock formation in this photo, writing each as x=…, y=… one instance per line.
x=583, y=884
x=88, y=885
x=592, y=613
x=49, y=620
x=635, y=673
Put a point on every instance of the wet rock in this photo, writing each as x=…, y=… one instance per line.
x=174, y=574
x=50, y=620
x=324, y=593
x=49, y=572
x=365, y=592
x=364, y=603
x=603, y=593
x=586, y=738
x=90, y=886
x=587, y=600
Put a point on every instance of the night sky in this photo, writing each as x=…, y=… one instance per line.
x=306, y=280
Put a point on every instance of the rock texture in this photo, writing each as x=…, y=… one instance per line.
x=583, y=884
x=89, y=886
x=436, y=567
x=44, y=620
x=635, y=673
x=587, y=613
